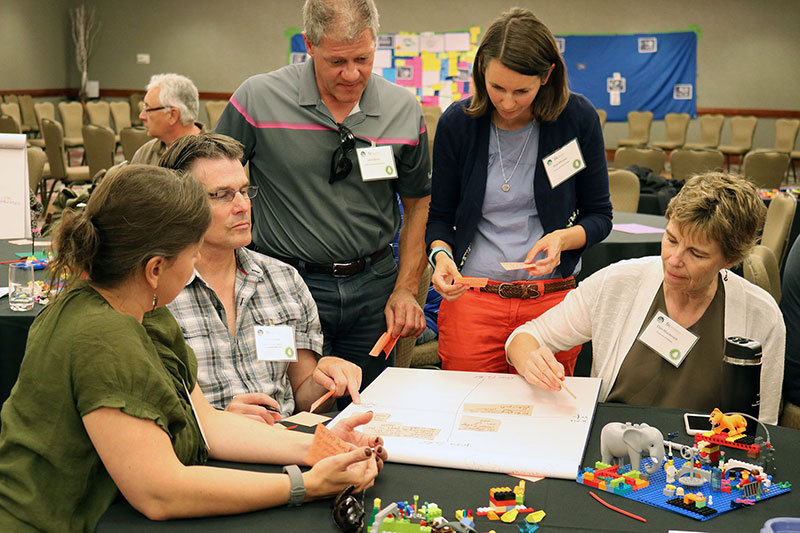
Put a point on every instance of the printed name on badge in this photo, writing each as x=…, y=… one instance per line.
x=668, y=339
x=275, y=343
x=376, y=163
x=564, y=163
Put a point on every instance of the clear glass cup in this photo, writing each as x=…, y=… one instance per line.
x=20, y=286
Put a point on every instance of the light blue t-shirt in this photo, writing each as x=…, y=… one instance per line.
x=510, y=225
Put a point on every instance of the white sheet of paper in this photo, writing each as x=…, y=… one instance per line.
x=461, y=419
x=431, y=42
x=406, y=44
x=3, y=291
x=613, y=98
x=430, y=77
x=456, y=42
x=383, y=58
x=564, y=163
x=15, y=210
x=376, y=163
x=275, y=343
x=668, y=339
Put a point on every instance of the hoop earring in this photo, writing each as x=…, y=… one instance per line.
x=155, y=300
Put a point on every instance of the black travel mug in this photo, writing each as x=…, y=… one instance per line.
x=741, y=376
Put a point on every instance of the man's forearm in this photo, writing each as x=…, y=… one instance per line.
x=412, y=244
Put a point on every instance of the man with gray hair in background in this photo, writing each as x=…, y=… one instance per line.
x=169, y=111
x=331, y=145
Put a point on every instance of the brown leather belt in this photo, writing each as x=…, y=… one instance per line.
x=337, y=270
x=527, y=291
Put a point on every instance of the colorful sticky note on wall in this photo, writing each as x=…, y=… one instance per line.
x=474, y=31
x=406, y=44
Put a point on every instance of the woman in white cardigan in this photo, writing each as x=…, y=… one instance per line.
x=713, y=224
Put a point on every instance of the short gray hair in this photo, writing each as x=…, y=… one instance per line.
x=343, y=19
x=179, y=92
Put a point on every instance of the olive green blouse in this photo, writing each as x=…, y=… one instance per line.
x=82, y=355
x=646, y=378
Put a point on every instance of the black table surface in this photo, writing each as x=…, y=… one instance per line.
x=567, y=504
x=14, y=325
x=620, y=245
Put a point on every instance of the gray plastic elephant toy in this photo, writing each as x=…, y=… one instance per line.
x=619, y=440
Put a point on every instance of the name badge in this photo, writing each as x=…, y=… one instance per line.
x=275, y=343
x=668, y=339
x=376, y=163
x=564, y=163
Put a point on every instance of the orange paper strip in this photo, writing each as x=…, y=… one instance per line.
x=321, y=400
x=325, y=444
x=389, y=345
x=378, y=348
x=472, y=282
x=516, y=266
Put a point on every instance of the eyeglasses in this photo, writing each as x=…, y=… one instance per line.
x=227, y=195
x=143, y=107
x=341, y=165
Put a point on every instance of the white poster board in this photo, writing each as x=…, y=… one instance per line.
x=15, y=212
x=479, y=421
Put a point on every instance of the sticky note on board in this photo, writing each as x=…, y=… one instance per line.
x=474, y=32
x=452, y=64
x=430, y=100
x=406, y=44
x=431, y=62
x=457, y=41
x=325, y=444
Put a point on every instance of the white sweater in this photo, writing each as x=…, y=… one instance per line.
x=610, y=306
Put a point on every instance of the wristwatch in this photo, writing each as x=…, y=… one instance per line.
x=297, y=494
x=434, y=251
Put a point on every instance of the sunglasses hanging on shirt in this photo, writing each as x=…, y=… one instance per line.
x=341, y=165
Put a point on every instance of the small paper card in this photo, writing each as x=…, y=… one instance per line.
x=275, y=343
x=564, y=163
x=472, y=282
x=668, y=339
x=305, y=418
x=516, y=266
x=377, y=163
x=325, y=444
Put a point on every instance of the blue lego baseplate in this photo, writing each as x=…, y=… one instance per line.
x=653, y=494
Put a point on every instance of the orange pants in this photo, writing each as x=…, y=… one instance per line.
x=473, y=330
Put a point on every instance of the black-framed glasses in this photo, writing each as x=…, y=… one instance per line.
x=227, y=195
x=143, y=107
x=341, y=165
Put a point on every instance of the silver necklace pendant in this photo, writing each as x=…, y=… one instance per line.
x=506, y=187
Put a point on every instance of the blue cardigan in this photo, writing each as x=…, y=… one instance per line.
x=460, y=166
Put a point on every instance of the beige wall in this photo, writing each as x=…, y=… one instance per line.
x=36, y=50
x=747, y=56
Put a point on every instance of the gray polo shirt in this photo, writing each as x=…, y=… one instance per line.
x=289, y=137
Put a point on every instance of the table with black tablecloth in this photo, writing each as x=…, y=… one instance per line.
x=14, y=325
x=567, y=504
x=620, y=245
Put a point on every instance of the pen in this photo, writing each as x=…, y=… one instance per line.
x=270, y=408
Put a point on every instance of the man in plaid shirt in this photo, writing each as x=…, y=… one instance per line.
x=235, y=291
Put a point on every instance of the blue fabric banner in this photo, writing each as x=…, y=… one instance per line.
x=621, y=73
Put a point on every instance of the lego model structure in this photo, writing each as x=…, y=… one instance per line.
x=699, y=484
x=506, y=504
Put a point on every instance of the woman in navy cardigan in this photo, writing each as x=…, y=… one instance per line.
x=493, y=200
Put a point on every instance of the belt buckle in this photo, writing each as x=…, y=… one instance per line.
x=500, y=290
x=337, y=273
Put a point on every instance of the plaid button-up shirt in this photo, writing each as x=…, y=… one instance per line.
x=268, y=292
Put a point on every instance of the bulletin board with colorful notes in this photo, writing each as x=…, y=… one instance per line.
x=436, y=67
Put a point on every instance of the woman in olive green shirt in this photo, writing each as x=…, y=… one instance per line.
x=107, y=397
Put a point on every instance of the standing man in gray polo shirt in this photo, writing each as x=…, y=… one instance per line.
x=307, y=130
